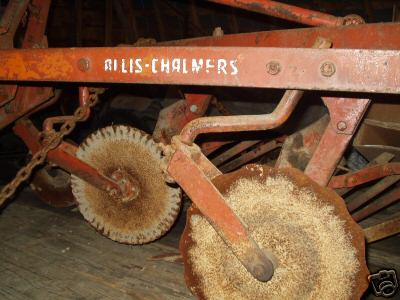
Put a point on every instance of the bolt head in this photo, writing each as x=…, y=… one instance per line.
x=328, y=69
x=84, y=64
x=193, y=108
x=113, y=193
x=353, y=20
x=273, y=67
x=341, y=125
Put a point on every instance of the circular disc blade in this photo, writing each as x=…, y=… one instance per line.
x=319, y=248
x=142, y=219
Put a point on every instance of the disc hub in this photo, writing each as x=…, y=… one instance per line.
x=139, y=206
x=129, y=186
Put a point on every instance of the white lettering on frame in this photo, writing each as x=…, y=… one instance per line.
x=220, y=66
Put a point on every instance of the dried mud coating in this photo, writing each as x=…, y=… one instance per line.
x=316, y=257
x=143, y=219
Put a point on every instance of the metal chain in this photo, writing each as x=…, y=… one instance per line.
x=50, y=140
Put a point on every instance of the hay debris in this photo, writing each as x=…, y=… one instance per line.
x=315, y=255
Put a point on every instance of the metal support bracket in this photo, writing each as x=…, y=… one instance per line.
x=189, y=160
x=346, y=113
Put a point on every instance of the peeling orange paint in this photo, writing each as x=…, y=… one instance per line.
x=35, y=67
x=15, y=65
x=357, y=71
x=55, y=66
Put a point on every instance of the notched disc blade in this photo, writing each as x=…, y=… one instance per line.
x=319, y=248
x=143, y=219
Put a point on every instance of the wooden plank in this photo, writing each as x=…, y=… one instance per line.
x=55, y=254
x=383, y=230
x=51, y=253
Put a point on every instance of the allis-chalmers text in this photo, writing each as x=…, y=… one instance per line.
x=176, y=65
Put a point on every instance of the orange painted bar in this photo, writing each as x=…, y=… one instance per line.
x=354, y=70
x=285, y=11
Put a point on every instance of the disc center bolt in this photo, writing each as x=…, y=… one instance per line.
x=129, y=186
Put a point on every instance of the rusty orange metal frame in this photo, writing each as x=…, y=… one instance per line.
x=10, y=20
x=189, y=160
x=64, y=157
x=18, y=101
x=243, y=122
x=365, y=36
x=287, y=12
x=365, y=175
x=265, y=60
x=35, y=31
x=345, y=115
x=309, y=69
x=173, y=118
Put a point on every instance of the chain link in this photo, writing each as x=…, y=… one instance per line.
x=50, y=140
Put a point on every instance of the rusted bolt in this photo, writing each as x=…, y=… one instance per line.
x=113, y=192
x=353, y=20
x=83, y=64
x=273, y=67
x=328, y=69
x=341, y=125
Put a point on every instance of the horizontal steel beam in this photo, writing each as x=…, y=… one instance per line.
x=285, y=11
x=364, y=36
x=285, y=68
